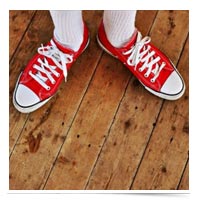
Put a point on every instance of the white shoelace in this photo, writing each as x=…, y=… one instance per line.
x=140, y=53
x=60, y=59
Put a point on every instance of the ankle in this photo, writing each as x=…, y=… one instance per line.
x=119, y=26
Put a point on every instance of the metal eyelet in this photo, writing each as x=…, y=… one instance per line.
x=48, y=88
x=152, y=80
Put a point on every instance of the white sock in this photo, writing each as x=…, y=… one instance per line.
x=68, y=27
x=119, y=26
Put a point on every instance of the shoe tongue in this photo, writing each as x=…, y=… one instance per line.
x=132, y=41
x=61, y=47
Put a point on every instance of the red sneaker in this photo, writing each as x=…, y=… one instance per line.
x=148, y=64
x=44, y=73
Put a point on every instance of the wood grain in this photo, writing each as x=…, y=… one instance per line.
x=113, y=166
x=28, y=47
x=167, y=151
x=184, y=183
x=52, y=121
x=131, y=130
x=102, y=130
x=18, y=23
x=91, y=125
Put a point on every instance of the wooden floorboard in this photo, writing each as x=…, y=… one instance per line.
x=18, y=23
x=60, y=113
x=92, y=125
x=112, y=161
x=184, y=182
x=102, y=130
x=167, y=152
x=131, y=130
x=27, y=48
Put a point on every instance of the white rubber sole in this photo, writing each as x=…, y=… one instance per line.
x=159, y=94
x=34, y=107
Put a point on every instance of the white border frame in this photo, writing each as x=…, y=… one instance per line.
x=190, y=5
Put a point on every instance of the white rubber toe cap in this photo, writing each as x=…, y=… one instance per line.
x=25, y=97
x=173, y=85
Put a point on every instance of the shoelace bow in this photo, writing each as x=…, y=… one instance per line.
x=60, y=59
x=141, y=52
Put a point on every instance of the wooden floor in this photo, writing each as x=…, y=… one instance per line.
x=102, y=130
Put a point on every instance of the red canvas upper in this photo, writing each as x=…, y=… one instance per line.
x=118, y=52
x=33, y=85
